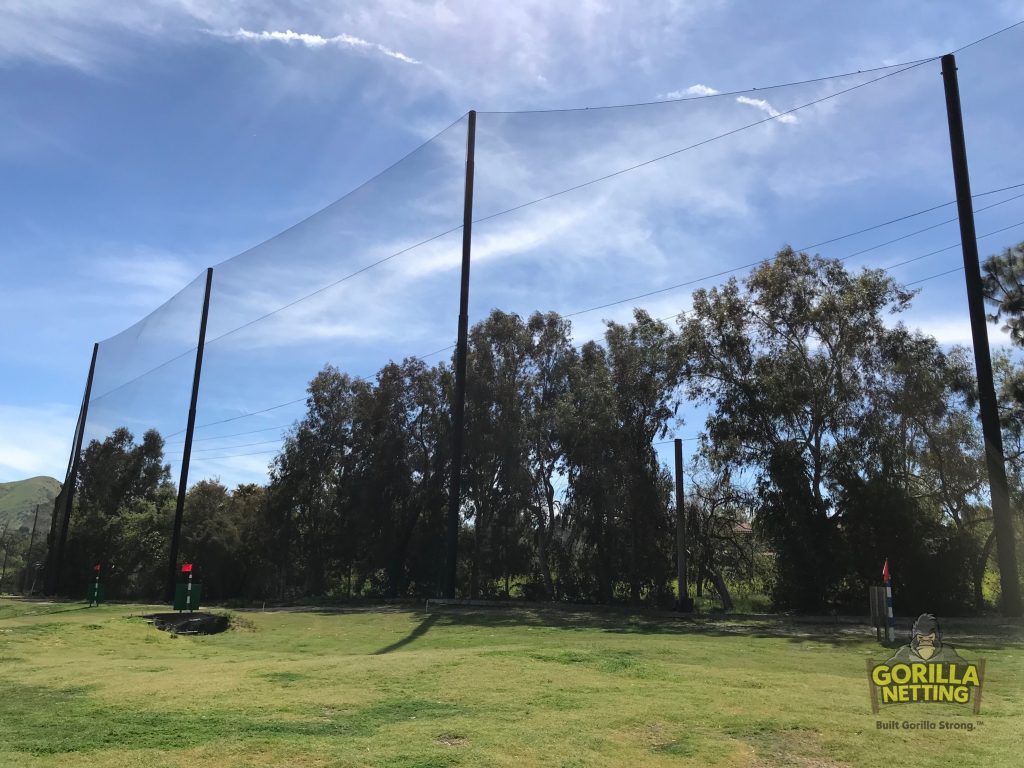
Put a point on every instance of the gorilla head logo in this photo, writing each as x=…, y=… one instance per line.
x=926, y=636
x=926, y=645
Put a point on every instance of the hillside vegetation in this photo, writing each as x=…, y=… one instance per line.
x=18, y=501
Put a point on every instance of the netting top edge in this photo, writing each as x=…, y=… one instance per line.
x=464, y=116
x=411, y=153
x=763, y=87
x=703, y=96
x=198, y=279
x=299, y=223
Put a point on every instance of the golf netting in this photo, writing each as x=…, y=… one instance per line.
x=590, y=213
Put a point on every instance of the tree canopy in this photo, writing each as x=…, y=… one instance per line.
x=834, y=437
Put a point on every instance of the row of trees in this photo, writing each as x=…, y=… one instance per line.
x=842, y=439
x=19, y=555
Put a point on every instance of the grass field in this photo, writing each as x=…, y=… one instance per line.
x=406, y=689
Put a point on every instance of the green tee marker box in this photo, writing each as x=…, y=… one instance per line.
x=184, y=600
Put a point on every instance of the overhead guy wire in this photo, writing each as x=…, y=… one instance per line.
x=667, y=317
x=752, y=264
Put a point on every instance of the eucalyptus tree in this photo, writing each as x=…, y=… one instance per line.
x=620, y=397
x=794, y=368
x=212, y=538
x=124, y=506
x=645, y=366
x=596, y=492
x=399, y=449
x=498, y=483
x=1003, y=285
x=549, y=360
x=309, y=497
x=718, y=517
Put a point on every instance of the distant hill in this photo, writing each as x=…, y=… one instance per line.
x=18, y=502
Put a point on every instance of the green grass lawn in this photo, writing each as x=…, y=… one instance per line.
x=400, y=688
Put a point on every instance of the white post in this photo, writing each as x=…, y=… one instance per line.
x=890, y=629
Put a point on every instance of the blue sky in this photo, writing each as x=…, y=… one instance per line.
x=144, y=142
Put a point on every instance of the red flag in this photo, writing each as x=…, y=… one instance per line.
x=885, y=570
x=96, y=567
x=186, y=568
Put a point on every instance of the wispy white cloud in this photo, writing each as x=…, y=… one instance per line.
x=701, y=90
x=316, y=41
x=90, y=34
x=767, y=108
x=497, y=55
x=141, y=276
x=694, y=90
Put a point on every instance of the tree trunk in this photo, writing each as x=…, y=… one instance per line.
x=545, y=530
x=542, y=556
x=505, y=555
x=394, y=578
x=979, y=571
x=634, y=543
x=722, y=589
x=401, y=553
x=605, y=592
x=474, y=570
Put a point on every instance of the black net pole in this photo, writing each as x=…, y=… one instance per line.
x=28, y=552
x=685, y=603
x=58, y=504
x=72, y=478
x=179, y=508
x=459, y=404
x=994, y=459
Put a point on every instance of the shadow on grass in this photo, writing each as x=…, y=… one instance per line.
x=636, y=621
x=623, y=621
x=11, y=614
x=422, y=629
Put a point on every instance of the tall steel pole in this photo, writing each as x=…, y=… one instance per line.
x=7, y=547
x=28, y=553
x=1002, y=521
x=72, y=479
x=58, y=505
x=179, y=508
x=685, y=603
x=459, y=405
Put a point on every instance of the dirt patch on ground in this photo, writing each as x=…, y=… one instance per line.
x=189, y=623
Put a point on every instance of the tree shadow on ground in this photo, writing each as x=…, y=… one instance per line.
x=419, y=631
x=77, y=606
x=633, y=621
